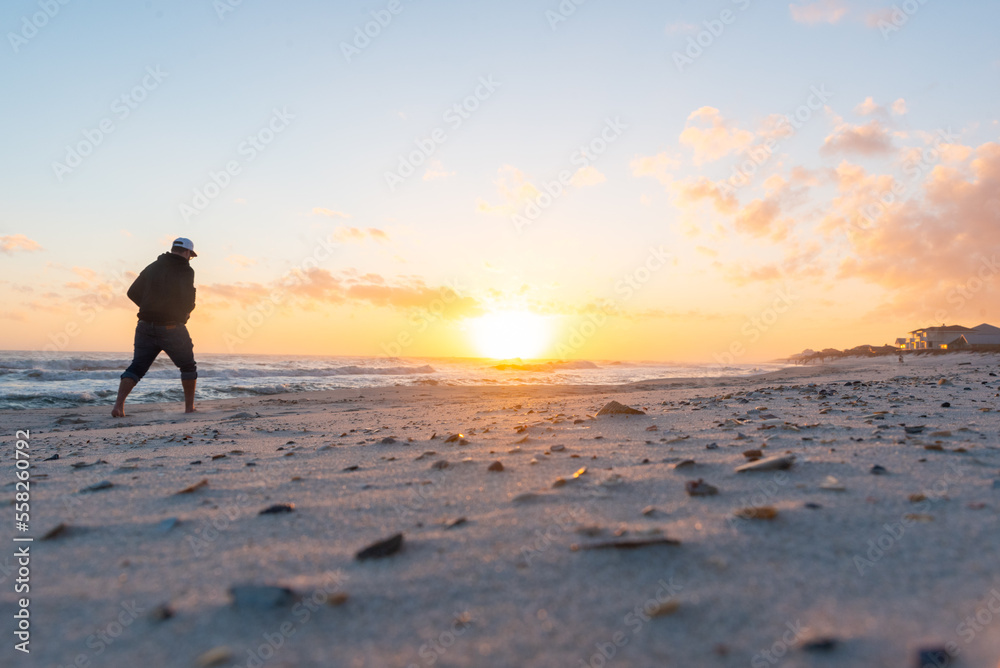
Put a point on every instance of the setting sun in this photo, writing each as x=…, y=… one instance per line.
x=509, y=334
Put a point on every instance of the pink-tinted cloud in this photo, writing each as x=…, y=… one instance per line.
x=869, y=139
x=712, y=137
x=819, y=11
x=13, y=243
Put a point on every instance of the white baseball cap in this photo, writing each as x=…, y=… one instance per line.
x=186, y=244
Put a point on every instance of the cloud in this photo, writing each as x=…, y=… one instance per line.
x=315, y=288
x=899, y=107
x=319, y=211
x=869, y=139
x=514, y=188
x=588, y=176
x=660, y=166
x=436, y=170
x=937, y=251
x=681, y=27
x=715, y=141
x=820, y=11
x=346, y=235
x=693, y=190
x=13, y=243
x=241, y=261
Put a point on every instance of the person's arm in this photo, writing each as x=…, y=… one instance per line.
x=193, y=292
x=138, y=288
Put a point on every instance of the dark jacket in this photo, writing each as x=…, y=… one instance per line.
x=164, y=291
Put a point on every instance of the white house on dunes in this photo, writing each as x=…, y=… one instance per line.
x=951, y=337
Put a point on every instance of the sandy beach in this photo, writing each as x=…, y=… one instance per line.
x=584, y=547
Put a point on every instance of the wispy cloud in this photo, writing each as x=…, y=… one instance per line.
x=820, y=11
x=13, y=243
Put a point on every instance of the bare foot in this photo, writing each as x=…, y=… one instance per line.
x=118, y=411
x=190, y=410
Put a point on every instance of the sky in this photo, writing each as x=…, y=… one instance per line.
x=730, y=181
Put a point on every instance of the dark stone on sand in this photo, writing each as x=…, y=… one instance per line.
x=631, y=544
x=388, y=440
x=261, y=596
x=161, y=613
x=820, y=645
x=352, y=468
x=97, y=487
x=167, y=524
x=700, y=488
x=813, y=506
x=496, y=467
x=381, y=549
x=52, y=458
x=933, y=656
x=278, y=508
x=57, y=531
x=615, y=408
x=878, y=469
x=946, y=405
x=455, y=523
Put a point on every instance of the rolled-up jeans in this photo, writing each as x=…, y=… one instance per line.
x=152, y=339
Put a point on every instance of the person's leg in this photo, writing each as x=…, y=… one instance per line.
x=145, y=351
x=180, y=348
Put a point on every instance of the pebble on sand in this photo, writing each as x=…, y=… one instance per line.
x=615, y=408
x=278, y=508
x=97, y=487
x=193, y=488
x=261, y=596
x=757, y=513
x=381, y=549
x=700, y=488
x=496, y=467
x=216, y=656
x=778, y=463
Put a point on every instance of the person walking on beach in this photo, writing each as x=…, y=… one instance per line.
x=164, y=293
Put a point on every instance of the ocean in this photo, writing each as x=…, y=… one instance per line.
x=66, y=380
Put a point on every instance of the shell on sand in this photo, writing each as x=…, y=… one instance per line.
x=778, y=463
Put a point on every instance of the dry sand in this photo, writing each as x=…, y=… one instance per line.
x=515, y=584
